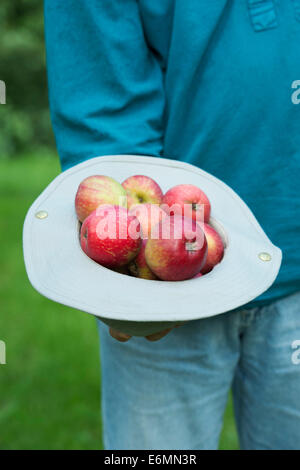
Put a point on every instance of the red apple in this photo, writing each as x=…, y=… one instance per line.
x=149, y=216
x=140, y=189
x=122, y=270
x=139, y=268
x=197, y=275
x=215, y=248
x=111, y=236
x=179, y=252
x=187, y=200
x=96, y=190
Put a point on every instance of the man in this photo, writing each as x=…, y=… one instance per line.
x=207, y=82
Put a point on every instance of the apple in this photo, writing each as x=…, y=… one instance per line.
x=140, y=189
x=180, y=250
x=197, y=275
x=122, y=270
x=149, y=216
x=96, y=190
x=139, y=268
x=111, y=236
x=187, y=200
x=215, y=248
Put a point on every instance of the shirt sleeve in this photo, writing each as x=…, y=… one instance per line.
x=105, y=85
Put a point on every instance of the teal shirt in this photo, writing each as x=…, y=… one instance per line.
x=208, y=82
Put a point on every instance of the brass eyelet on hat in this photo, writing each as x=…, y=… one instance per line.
x=265, y=256
x=41, y=214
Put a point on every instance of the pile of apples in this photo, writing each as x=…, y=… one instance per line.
x=135, y=229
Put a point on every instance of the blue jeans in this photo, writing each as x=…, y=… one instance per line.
x=171, y=394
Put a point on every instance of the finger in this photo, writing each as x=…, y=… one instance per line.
x=118, y=335
x=159, y=335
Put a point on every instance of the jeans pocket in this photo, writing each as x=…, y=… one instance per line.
x=263, y=14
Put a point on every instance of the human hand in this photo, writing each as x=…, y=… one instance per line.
x=123, y=337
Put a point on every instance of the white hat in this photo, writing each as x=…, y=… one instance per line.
x=59, y=269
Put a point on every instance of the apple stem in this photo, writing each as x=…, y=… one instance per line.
x=196, y=206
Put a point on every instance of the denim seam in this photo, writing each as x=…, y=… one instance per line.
x=238, y=404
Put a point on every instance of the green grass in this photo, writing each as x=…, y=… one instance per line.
x=50, y=386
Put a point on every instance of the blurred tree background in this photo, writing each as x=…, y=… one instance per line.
x=24, y=120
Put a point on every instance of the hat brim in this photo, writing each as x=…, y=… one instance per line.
x=59, y=269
